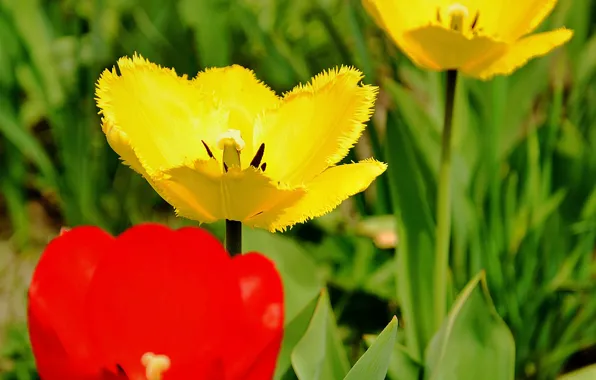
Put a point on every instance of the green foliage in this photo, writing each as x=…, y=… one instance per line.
x=473, y=341
x=374, y=364
x=586, y=373
x=320, y=355
x=524, y=202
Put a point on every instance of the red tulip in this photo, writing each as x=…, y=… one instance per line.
x=152, y=304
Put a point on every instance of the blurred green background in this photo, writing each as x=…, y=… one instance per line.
x=524, y=197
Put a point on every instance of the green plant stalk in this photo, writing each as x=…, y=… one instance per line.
x=443, y=231
x=495, y=242
x=233, y=237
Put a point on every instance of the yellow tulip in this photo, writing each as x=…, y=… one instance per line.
x=480, y=38
x=225, y=146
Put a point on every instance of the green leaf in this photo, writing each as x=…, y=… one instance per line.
x=27, y=145
x=409, y=192
x=320, y=354
x=375, y=361
x=293, y=332
x=473, y=342
x=33, y=25
x=401, y=366
x=586, y=373
x=297, y=269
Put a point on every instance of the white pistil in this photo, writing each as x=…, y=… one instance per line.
x=231, y=143
x=231, y=137
x=155, y=365
x=457, y=14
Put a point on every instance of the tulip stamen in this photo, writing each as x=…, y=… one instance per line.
x=457, y=13
x=256, y=161
x=155, y=365
x=231, y=143
x=207, y=149
x=473, y=26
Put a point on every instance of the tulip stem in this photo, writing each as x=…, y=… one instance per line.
x=443, y=231
x=233, y=237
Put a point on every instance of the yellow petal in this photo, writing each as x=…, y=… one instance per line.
x=404, y=15
x=164, y=116
x=243, y=95
x=315, y=126
x=120, y=143
x=193, y=191
x=202, y=192
x=398, y=16
x=371, y=7
x=519, y=53
x=328, y=190
x=448, y=49
x=520, y=17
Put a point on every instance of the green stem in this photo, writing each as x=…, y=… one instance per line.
x=233, y=237
x=443, y=232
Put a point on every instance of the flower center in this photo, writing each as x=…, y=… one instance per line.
x=155, y=365
x=457, y=14
x=231, y=143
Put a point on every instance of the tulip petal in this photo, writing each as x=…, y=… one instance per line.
x=519, y=53
x=255, y=354
x=316, y=125
x=201, y=211
x=56, y=297
x=203, y=190
x=194, y=191
x=164, y=116
x=328, y=190
x=402, y=15
x=167, y=292
x=448, y=49
x=520, y=17
x=243, y=96
x=120, y=143
x=398, y=16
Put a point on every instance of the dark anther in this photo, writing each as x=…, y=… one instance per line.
x=207, y=149
x=264, y=166
x=225, y=167
x=120, y=370
x=256, y=161
x=439, y=15
x=475, y=21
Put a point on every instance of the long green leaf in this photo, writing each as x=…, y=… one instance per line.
x=319, y=355
x=415, y=231
x=474, y=342
x=27, y=145
x=586, y=373
x=373, y=365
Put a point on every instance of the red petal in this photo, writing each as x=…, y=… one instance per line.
x=56, y=297
x=254, y=355
x=168, y=292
